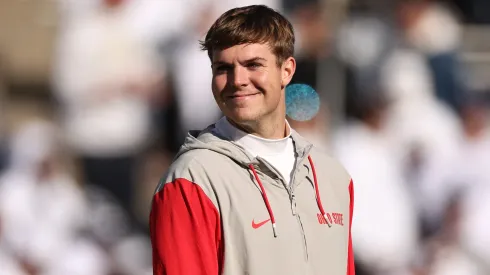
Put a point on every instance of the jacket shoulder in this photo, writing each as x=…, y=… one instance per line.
x=193, y=167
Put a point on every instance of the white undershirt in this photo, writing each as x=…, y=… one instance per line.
x=278, y=152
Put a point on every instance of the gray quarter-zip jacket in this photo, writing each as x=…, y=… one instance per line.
x=218, y=210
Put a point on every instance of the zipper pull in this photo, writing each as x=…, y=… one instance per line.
x=293, y=204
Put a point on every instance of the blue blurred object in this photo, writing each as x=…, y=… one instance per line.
x=302, y=102
x=446, y=74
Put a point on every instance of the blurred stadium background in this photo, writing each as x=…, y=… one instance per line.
x=96, y=96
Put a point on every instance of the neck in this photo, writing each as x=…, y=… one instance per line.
x=268, y=129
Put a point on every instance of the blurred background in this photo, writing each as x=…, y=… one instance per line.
x=97, y=95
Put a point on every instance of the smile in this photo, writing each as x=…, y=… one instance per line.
x=240, y=96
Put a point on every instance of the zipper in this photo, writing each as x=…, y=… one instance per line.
x=293, y=204
x=305, y=245
x=298, y=218
x=290, y=190
x=299, y=161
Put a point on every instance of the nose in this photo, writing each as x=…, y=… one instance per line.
x=239, y=77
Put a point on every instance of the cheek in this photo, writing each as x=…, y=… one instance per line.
x=218, y=84
x=267, y=81
x=261, y=80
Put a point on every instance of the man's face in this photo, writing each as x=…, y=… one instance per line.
x=248, y=85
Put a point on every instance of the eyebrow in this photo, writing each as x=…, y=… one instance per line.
x=253, y=59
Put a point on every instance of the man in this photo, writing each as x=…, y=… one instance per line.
x=243, y=196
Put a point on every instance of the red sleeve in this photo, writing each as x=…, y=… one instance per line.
x=185, y=231
x=351, y=270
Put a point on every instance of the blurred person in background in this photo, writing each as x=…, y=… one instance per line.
x=467, y=177
x=421, y=22
x=385, y=225
x=439, y=160
x=466, y=170
x=106, y=77
x=42, y=209
x=462, y=240
x=190, y=73
x=424, y=131
x=51, y=226
x=362, y=42
x=168, y=26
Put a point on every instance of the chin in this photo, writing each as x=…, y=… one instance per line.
x=243, y=115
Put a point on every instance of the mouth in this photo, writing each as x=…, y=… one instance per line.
x=242, y=96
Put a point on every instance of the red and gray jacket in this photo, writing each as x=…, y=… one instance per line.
x=219, y=210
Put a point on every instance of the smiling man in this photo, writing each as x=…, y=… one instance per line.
x=249, y=195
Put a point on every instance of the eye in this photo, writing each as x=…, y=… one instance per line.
x=220, y=69
x=254, y=65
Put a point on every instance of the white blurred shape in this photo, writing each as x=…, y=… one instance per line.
x=405, y=77
x=101, y=75
x=156, y=21
x=40, y=217
x=32, y=143
x=82, y=257
x=384, y=227
x=132, y=255
x=361, y=41
x=472, y=170
x=416, y=119
x=41, y=206
x=197, y=107
x=426, y=34
x=453, y=261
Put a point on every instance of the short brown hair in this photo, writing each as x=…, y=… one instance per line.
x=251, y=24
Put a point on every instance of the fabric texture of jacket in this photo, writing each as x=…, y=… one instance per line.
x=218, y=210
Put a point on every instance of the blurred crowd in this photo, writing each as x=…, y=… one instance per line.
x=405, y=107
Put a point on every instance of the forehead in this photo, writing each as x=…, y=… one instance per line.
x=243, y=52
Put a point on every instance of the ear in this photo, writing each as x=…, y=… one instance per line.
x=287, y=71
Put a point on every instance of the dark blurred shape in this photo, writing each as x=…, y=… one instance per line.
x=312, y=36
x=292, y=5
x=446, y=72
x=473, y=11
